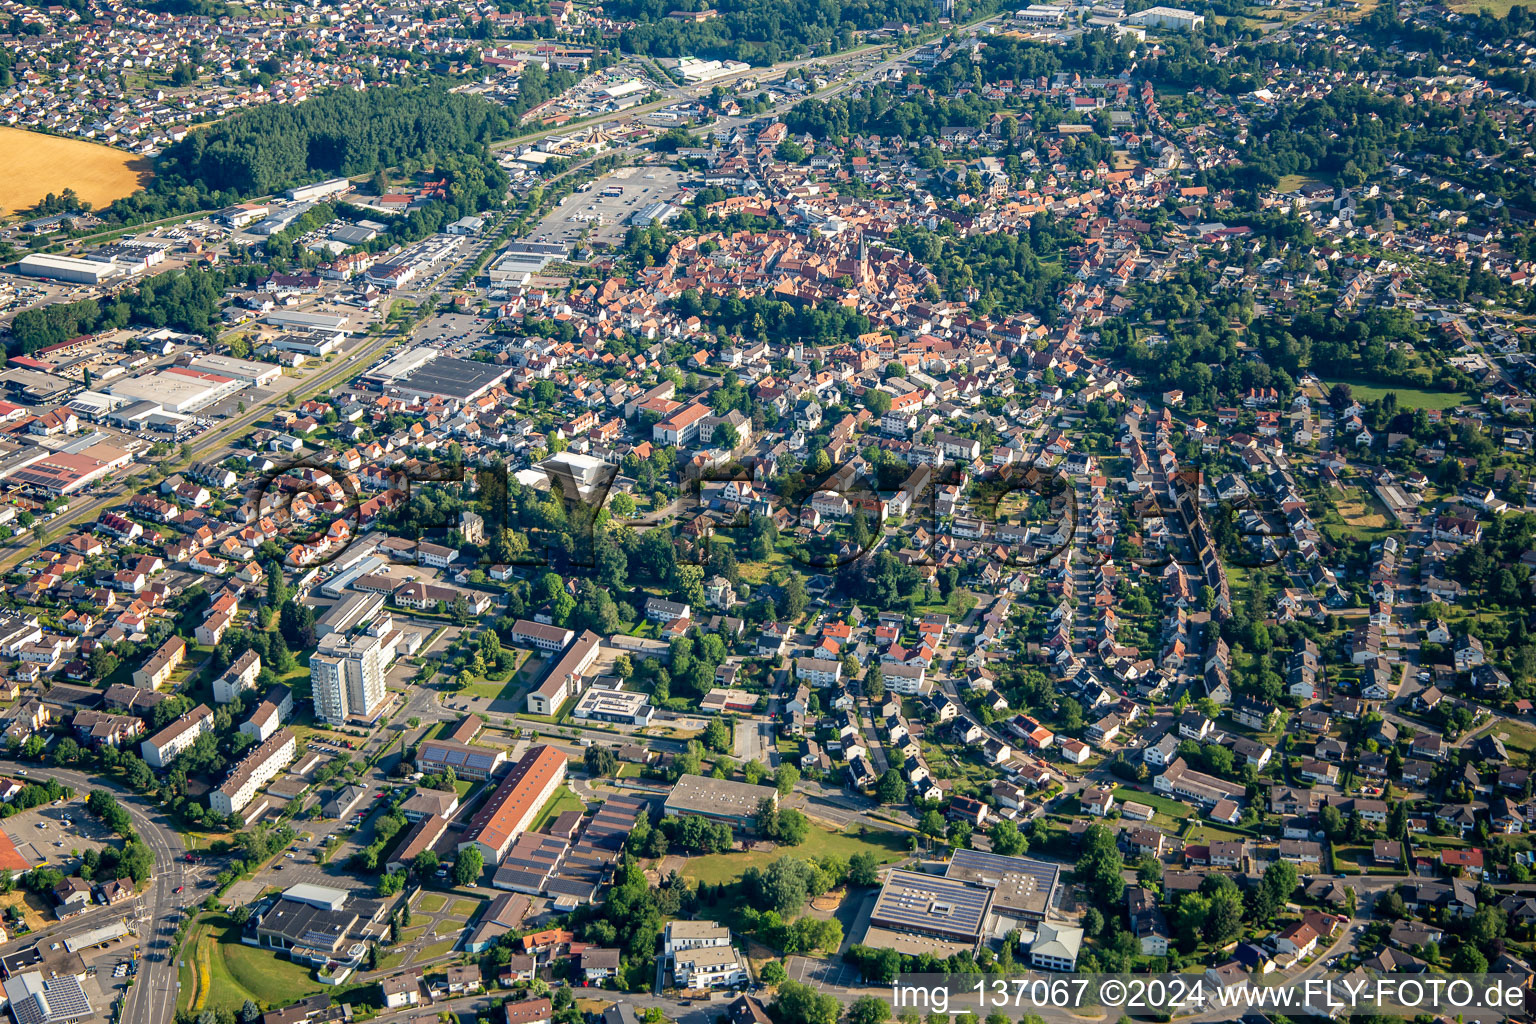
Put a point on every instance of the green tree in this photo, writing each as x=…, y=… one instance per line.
x=785, y=778
x=863, y=870
x=601, y=760
x=869, y=1010
x=467, y=866
x=718, y=736
x=892, y=788
x=1007, y=840
x=798, y=1003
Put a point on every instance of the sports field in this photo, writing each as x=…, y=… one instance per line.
x=33, y=165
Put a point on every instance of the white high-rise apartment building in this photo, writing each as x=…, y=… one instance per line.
x=346, y=676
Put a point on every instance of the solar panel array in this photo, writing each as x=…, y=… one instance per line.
x=528, y=866
x=65, y=998
x=913, y=901
x=541, y=864
x=593, y=855
x=1020, y=883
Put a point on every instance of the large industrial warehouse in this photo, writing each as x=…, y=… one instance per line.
x=426, y=373
x=66, y=268
x=179, y=389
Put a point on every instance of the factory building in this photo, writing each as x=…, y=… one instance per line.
x=66, y=268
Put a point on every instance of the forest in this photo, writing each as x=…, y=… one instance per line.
x=766, y=33
x=184, y=301
x=341, y=133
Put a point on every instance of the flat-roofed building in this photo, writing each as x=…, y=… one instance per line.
x=625, y=707
x=734, y=803
x=246, y=371
x=516, y=802
x=1167, y=17
x=681, y=936
x=349, y=613
x=34, y=999
x=724, y=699
x=914, y=903
x=708, y=967
x=1021, y=887
x=66, y=268
x=291, y=923
x=346, y=675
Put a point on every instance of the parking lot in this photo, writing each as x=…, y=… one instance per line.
x=53, y=834
x=462, y=330
x=608, y=216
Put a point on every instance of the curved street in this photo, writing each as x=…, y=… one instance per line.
x=154, y=915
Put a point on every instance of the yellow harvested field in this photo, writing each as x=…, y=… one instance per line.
x=33, y=164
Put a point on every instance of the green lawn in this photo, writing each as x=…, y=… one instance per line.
x=563, y=800
x=1407, y=398
x=629, y=770
x=1172, y=808
x=716, y=868
x=463, y=786
x=389, y=961
x=431, y=903
x=1515, y=737
x=465, y=908
x=1210, y=834
x=497, y=688
x=506, y=689
x=1292, y=182
x=237, y=972
x=437, y=949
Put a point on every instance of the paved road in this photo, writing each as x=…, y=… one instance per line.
x=221, y=438
x=152, y=998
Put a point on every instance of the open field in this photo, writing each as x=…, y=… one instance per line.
x=1360, y=512
x=1293, y=182
x=1407, y=398
x=1499, y=8
x=34, y=909
x=232, y=972
x=438, y=949
x=726, y=867
x=33, y=165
